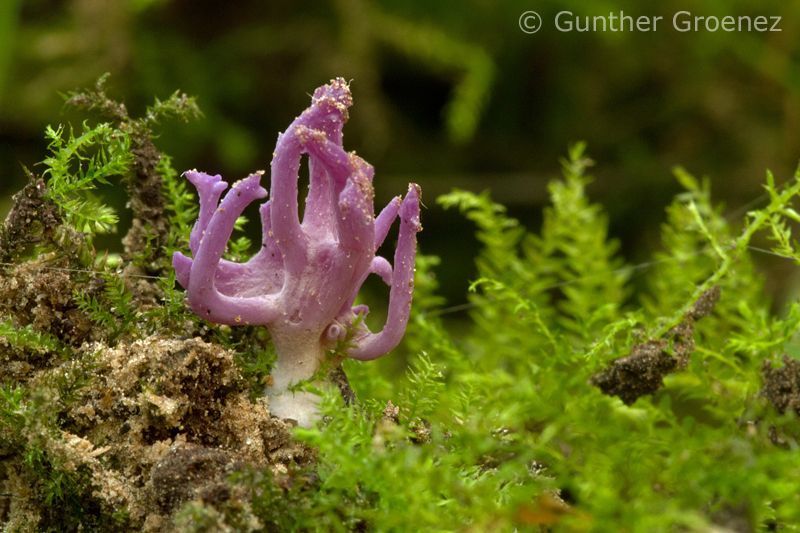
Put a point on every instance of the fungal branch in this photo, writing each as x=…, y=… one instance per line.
x=303, y=282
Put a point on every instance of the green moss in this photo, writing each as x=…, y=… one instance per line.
x=514, y=436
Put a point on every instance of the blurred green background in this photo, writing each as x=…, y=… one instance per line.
x=448, y=94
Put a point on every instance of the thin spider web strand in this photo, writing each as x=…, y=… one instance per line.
x=637, y=269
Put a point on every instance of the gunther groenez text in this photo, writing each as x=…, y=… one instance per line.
x=680, y=21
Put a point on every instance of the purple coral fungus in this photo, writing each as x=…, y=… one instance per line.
x=303, y=282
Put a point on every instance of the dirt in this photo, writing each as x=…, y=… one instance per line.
x=39, y=293
x=339, y=378
x=192, y=472
x=782, y=384
x=638, y=374
x=164, y=422
x=33, y=219
x=180, y=404
x=704, y=305
x=642, y=372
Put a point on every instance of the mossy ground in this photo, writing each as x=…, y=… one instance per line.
x=573, y=397
x=115, y=416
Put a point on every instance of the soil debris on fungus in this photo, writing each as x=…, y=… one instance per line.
x=642, y=371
